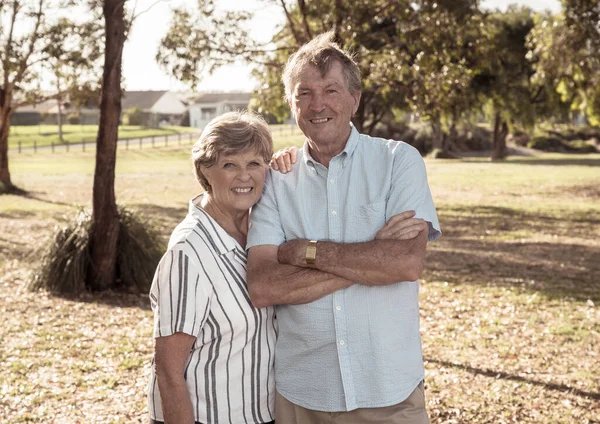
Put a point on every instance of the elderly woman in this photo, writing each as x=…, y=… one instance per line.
x=213, y=349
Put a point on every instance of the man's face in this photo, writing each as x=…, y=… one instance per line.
x=323, y=106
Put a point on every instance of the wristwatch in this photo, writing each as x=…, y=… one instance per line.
x=311, y=252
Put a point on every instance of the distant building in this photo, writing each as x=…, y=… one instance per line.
x=204, y=107
x=157, y=106
x=31, y=114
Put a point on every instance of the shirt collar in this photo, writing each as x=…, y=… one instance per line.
x=347, y=152
x=222, y=242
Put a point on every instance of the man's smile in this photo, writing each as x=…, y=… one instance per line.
x=319, y=120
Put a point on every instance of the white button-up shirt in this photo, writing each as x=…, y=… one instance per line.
x=359, y=347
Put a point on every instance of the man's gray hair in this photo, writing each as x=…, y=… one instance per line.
x=321, y=52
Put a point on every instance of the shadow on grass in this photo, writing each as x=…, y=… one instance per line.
x=113, y=298
x=528, y=160
x=556, y=162
x=499, y=247
x=507, y=376
x=11, y=189
x=19, y=214
x=33, y=195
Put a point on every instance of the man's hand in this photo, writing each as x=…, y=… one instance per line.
x=293, y=252
x=401, y=227
x=283, y=159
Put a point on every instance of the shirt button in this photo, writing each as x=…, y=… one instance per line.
x=342, y=342
x=338, y=307
x=334, y=213
x=332, y=181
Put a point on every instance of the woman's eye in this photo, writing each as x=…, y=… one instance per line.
x=228, y=165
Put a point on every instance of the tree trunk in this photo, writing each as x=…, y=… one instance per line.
x=499, y=142
x=5, y=112
x=105, y=219
x=437, y=135
x=59, y=116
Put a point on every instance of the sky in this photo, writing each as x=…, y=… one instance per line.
x=141, y=72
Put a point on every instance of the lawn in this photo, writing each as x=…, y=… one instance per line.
x=509, y=300
x=45, y=135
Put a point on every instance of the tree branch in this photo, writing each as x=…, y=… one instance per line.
x=9, y=41
x=34, y=37
x=302, y=7
x=291, y=23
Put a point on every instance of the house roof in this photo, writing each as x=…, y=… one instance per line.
x=220, y=97
x=41, y=107
x=142, y=99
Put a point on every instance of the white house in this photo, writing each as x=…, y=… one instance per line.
x=206, y=106
x=158, y=105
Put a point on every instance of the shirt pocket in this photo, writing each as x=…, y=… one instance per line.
x=364, y=221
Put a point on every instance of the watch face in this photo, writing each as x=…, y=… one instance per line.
x=311, y=252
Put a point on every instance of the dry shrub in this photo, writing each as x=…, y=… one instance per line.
x=65, y=259
x=140, y=249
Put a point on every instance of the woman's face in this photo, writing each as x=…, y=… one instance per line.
x=236, y=180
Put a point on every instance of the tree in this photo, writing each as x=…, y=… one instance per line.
x=446, y=44
x=398, y=45
x=104, y=235
x=73, y=53
x=17, y=55
x=111, y=248
x=200, y=41
x=565, y=50
x=26, y=39
x=503, y=82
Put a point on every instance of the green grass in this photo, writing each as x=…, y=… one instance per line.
x=45, y=135
x=509, y=299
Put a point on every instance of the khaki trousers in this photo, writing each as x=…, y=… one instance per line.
x=410, y=411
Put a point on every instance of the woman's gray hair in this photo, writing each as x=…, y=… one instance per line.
x=321, y=52
x=227, y=134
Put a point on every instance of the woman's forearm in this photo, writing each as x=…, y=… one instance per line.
x=175, y=399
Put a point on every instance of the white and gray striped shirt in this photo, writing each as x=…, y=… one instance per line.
x=199, y=288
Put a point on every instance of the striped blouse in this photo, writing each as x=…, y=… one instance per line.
x=199, y=288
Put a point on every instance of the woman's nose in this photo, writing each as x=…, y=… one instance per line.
x=244, y=174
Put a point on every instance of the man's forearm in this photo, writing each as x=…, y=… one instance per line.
x=384, y=264
x=378, y=262
x=271, y=283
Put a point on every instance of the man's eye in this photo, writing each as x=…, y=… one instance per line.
x=332, y=91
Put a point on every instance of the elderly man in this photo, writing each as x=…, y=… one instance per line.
x=348, y=348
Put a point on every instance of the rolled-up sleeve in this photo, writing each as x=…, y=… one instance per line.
x=410, y=189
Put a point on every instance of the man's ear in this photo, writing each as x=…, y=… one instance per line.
x=356, y=97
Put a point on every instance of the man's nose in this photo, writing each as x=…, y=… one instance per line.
x=316, y=103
